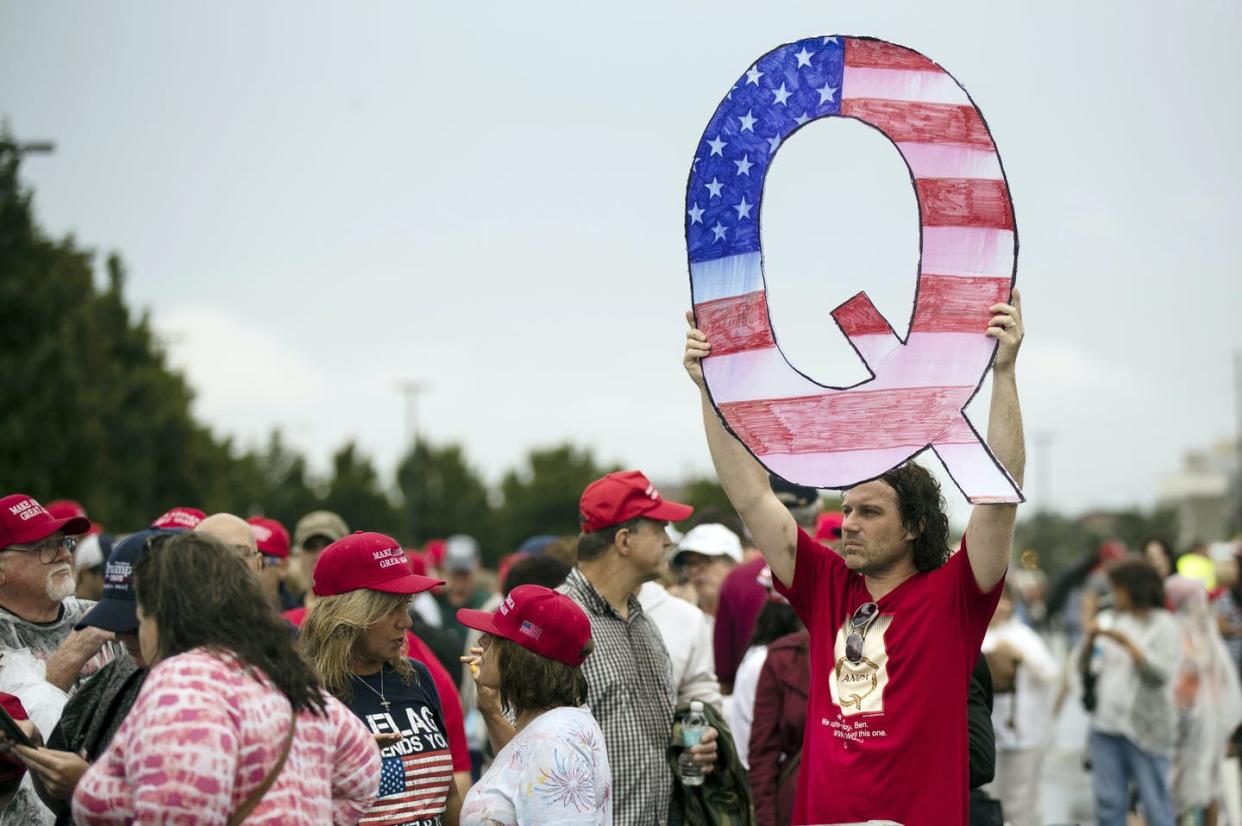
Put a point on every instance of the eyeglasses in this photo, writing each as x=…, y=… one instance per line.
x=858, y=625
x=48, y=550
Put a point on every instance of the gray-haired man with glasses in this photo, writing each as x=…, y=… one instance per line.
x=38, y=610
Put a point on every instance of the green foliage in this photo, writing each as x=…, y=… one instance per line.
x=88, y=407
x=356, y=494
x=705, y=492
x=1060, y=540
x=542, y=496
x=443, y=495
x=288, y=491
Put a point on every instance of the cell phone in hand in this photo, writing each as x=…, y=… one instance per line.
x=13, y=731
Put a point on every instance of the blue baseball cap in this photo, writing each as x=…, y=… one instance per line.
x=117, y=609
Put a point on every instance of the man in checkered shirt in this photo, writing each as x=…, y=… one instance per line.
x=631, y=693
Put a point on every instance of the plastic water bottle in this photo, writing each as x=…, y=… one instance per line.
x=692, y=727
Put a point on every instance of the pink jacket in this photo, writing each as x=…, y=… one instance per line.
x=203, y=735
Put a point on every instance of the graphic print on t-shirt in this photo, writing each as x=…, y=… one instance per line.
x=415, y=772
x=858, y=688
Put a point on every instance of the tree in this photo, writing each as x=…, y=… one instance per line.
x=288, y=491
x=705, y=492
x=541, y=496
x=442, y=495
x=354, y=492
x=88, y=406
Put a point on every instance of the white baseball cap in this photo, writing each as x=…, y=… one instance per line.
x=711, y=540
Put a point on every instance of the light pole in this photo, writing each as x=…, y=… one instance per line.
x=1042, y=440
x=20, y=148
x=412, y=389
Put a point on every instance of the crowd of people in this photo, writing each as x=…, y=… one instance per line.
x=850, y=667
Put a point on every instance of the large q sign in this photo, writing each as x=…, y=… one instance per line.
x=834, y=437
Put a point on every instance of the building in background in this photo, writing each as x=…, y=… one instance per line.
x=1204, y=494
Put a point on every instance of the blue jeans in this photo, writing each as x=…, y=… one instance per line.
x=1115, y=763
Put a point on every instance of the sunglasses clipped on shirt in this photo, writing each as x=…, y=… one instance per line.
x=857, y=628
x=48, y=549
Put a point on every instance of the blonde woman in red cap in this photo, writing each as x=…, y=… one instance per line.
x=554, y=767
x=355, y=633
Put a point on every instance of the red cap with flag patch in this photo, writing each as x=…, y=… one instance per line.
x=540, y=620
x=23, y=520
x=625, y=495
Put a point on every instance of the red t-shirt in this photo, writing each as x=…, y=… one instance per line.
x=886, y=739
x=450, y=702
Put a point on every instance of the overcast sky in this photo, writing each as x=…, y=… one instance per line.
x=317, y=201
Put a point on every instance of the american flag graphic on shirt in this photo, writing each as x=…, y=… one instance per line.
x=413, y=789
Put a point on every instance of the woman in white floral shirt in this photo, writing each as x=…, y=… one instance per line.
x=551, y=765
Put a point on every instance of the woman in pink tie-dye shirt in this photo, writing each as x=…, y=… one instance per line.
x=215, y=712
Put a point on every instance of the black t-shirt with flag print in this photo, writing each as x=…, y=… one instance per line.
x=417, y=771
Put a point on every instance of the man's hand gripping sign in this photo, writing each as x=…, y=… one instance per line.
x=836, y=437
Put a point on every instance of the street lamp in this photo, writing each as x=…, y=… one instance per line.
x=40, y=147
x=412, y=389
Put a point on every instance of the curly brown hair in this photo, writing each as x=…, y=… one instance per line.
x=922, y=508
x=530, y=682
x=203, y=595
x=1138, y=578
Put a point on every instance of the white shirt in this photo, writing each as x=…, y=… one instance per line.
x=742, y=709
x=687, y=634
x=553, y=771
x=1029, y=706
x=1133, y=702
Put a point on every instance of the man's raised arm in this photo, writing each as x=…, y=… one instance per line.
x=989, y=533
x=745, y=481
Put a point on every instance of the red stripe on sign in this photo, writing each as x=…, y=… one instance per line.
x=957, y=304
x=859, y=317
x=904, y=121
x=964, y=202
x=736, y=323
x=850, y=420
x=881, y=55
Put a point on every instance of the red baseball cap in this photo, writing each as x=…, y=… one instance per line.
x=434, y=551
x=270, y=535
x=418, y=562
x=828, y=526
x=12, y=768
x=540, y=620
x=367, y=560
x=185, y=519
x=64, y=508
x=23, y=520
x=622, y=496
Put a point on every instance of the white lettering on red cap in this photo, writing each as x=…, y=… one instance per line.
x=653, y=493
x=389, y=557
x=27, y=509
x=261, y=533
x=507, y=605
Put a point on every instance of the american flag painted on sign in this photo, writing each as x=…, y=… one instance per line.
x=413, y=787
x=834, y=437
